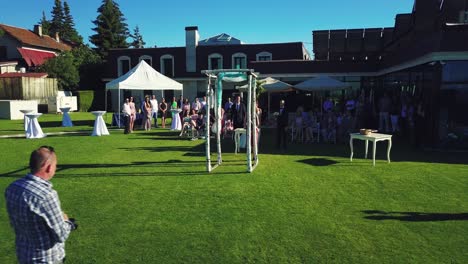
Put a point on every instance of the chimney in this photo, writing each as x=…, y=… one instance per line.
x=38, y=30
x=191, y=43
x=57, y=37
x=426, y=14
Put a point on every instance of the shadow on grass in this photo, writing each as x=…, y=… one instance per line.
x=318, y=162
x=414, y=216
x=59, y=123
x=401, y=151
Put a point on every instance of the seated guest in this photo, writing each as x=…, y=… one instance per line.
x=328, y=126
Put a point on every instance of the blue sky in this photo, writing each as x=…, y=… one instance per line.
x=163, y=23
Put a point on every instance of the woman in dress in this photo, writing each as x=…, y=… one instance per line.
x=163, y=109
x=132, y=113
x=148, y=111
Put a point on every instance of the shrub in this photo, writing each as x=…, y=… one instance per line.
x=85, y=100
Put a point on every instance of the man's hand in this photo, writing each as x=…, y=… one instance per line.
x=65, y=217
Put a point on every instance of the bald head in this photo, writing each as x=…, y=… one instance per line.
x=43, y=162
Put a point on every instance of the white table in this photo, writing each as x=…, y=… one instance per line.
x=100, y=128
x=26, y=119
x=374, y=137
x=66, y=120
x=237, y=135
x=34, y=130
x=176, y=123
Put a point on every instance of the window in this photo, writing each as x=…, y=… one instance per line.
x=215, y=61
x=147, y=58
x=3, y=52
x=264, y=56
x=123, y=65
x=167, y=65
x=239, y=61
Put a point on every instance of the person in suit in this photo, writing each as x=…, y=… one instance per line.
x=281, y=126
x=238, y=113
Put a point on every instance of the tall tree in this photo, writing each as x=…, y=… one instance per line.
x=138, y=41
x=56, y=24
x=45, y=24
x=69, y=32
x=111, y=29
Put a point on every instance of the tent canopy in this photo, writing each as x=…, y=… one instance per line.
x=143, y=77
x=272, y=85
x=321, y=84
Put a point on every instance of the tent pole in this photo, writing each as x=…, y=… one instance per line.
x=269, y=101
x=207, y=126
x=105, y=102
x=249, y=125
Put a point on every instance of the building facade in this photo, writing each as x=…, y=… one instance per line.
x=184, y=64
x=424, y=56
x=29, y=48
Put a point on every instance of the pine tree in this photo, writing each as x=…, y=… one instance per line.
x=69, y=32
x=111, y=29
x=56, y=24
x=45, y=24
x=138, y=41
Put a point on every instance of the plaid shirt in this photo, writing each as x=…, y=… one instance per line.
x=36, y=216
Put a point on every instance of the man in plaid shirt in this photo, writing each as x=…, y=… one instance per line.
x=40, y=226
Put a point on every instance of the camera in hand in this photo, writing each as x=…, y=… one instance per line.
x=74, y=224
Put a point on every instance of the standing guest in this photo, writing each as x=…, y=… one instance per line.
x=147, y=112
x=281, y=126
x=163, y=109
x=196, y=105
x=385, y=105
x=186, y=107
x=203, y=103
x=154, y=106
x=228, y=105
x=132, y=113
x=174, y=103
x=180, y=102
x=328, y=105
x=126, y=111
x=238, y=111
x=40, y=225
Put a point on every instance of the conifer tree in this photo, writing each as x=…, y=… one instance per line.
x=111, y=29
x=56, y=24
x=69, y=32
x=45, y=24
x=138, y=41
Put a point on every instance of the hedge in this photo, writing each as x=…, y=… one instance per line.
x=85, y=100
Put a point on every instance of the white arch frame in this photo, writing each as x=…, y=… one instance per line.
x=163, y=69
x=237, y=55
x=251, y=124
x=215, y=55
x=119, y=64
x=146, y=57
x=262, y=54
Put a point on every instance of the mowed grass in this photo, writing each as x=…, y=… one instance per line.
x=146, y=198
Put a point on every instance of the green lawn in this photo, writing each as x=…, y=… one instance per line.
x=146, y=198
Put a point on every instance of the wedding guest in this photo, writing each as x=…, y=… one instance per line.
x=154, y=107
x=163, y=109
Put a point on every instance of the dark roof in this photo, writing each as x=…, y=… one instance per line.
x=27, y=37
x=28, y=74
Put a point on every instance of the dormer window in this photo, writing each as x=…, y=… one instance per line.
x=167, y=65
x=239, y=61
x=123, y=65
x=215, y=61
x=264, y=56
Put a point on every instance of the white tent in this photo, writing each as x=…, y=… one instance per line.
x=272, y=85
x=320, y=84
x=142, y=77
